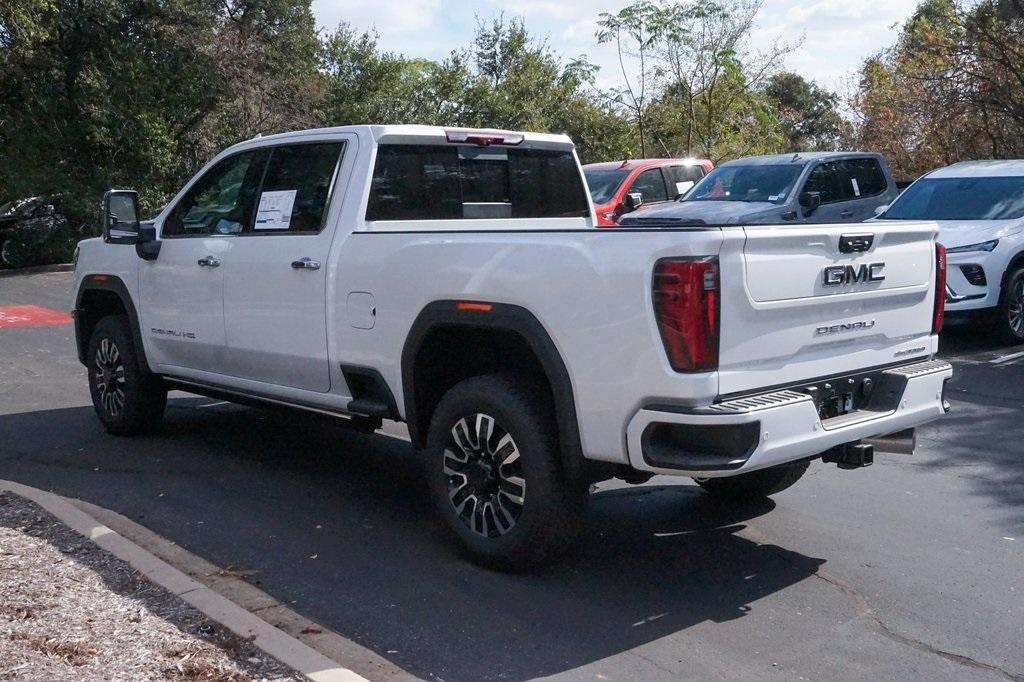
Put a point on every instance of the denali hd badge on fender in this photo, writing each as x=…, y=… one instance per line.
x=836, y=275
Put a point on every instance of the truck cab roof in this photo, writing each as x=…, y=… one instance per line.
x=797, y=158
x=418, y=134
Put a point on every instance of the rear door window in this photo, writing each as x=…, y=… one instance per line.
x=431, y=182
x=651, y=186
x=863, y=177
x=682, y=178
x=297, y=188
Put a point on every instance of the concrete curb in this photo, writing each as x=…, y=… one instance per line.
x=270, y=639
x=37, y=269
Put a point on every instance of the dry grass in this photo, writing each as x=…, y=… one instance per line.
x=71, y=611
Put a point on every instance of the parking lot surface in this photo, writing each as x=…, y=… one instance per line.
x=912, y=568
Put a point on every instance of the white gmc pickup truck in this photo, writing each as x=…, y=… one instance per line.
x=455, y=280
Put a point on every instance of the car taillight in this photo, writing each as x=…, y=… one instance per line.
x=686, y=306
x=939, y=312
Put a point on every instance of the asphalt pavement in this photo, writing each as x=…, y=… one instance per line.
x=910, y=569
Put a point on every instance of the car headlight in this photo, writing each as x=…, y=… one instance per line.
x=983, y=246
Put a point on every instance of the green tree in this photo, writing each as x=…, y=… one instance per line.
x=951, y=88
x=123, y=93
x=503, y=79
x=809, y=115
x=699, y=87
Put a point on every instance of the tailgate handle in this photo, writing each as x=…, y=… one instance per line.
x=853, y=243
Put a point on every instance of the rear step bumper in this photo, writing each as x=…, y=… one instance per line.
x=760, y=431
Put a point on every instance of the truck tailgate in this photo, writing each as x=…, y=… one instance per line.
x=810, y=301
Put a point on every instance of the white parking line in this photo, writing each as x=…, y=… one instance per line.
x=1003, y=359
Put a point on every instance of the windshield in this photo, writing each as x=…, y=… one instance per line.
x=603, y=183
x=16, y=206
x=771, y=183
x=1000, y=198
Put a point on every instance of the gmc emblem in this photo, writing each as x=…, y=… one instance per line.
x=836, y=275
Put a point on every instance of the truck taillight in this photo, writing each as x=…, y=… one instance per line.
x=686, y=292
x=939, y=312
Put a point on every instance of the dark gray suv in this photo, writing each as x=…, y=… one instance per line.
x=811, y=187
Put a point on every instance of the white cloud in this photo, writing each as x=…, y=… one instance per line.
x=388, y=17
x=838, y=34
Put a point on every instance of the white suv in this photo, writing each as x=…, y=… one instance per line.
x=979, y=206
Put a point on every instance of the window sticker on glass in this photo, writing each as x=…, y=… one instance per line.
x=856, y=187
x=683, y=186
x=275, y=210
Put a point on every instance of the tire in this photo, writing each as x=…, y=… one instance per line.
x=128, y=399
x=1009, y=323
x=505, y=496
x=5, y=253
x=756, y=484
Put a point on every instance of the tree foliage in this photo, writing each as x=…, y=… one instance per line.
x=697, y=87
x=140, y=93
x=951, y=88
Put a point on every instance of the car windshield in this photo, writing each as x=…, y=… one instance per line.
x=16, y=206
x=999, y=198
x=772, y=183
x=603, y=183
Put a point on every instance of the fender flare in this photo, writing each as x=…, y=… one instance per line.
x=501, y=317
x=114, y=284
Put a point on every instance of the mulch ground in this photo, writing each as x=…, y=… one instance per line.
x=71, y=611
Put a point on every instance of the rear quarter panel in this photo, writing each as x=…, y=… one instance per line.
x=590, y=289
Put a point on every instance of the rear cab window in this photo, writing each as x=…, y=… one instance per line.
x=417, y=182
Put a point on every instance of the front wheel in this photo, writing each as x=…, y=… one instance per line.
x=1010, y=321
x=128, y=399
x=756, y=484
x=495, y=473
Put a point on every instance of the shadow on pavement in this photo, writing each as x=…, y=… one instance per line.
x=338, y=526
x=961, y=335
x=982, y=436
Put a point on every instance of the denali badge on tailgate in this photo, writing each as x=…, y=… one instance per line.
x=847, y=274
x=845, y=327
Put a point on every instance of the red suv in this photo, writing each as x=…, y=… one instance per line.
x=618, y=187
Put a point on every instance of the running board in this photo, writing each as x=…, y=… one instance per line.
x=242, y=397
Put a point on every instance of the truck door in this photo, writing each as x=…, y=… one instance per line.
x=275, y=285
x=182, y=291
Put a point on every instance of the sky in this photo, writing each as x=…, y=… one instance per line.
x=837, y=34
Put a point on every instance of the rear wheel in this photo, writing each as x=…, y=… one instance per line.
x=128, y=399
x=1010, y=320
x=495, y=473
x=756, y=484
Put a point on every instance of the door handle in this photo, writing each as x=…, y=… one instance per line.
x=209, y=262
x=306, y=263
x=846, y=214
